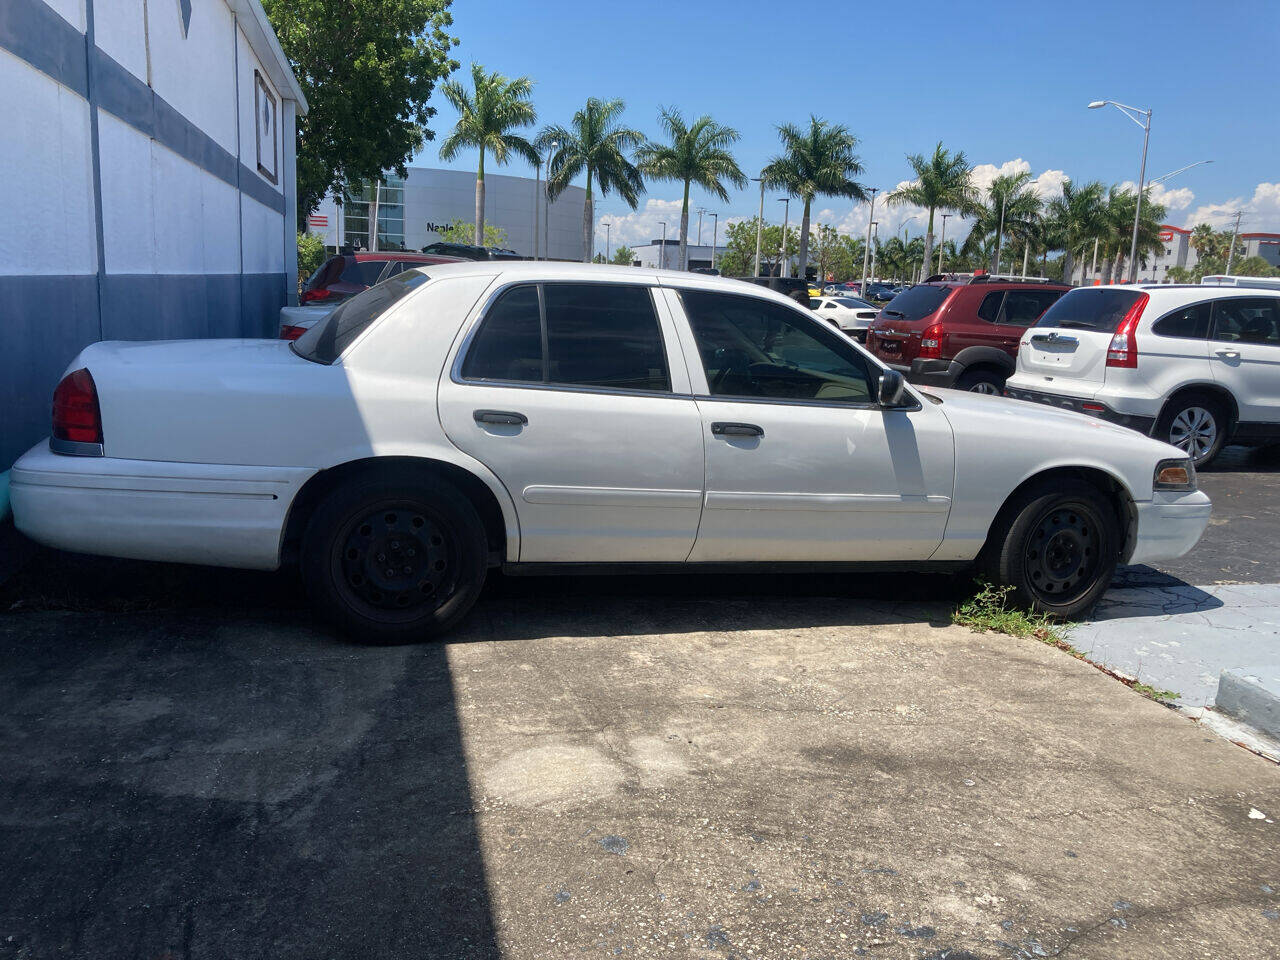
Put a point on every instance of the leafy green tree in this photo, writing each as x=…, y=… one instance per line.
x=834, y=254
x=738, y=254
x=1254, y=266
x=596, y=143
x=817, y=161
x=1117, y=235
x=698, y=153
x=488, y=114
x=1213, y=248
x=460, y=231
x=367, y=69
x=624, y=256
x=1076, y=219
x=943, y=184
x=310, y=254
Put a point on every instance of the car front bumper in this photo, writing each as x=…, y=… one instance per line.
x=1169, y=525
x=217, y=514
x=1089, y=406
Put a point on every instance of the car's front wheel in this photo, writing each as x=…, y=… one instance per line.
x=394, y=560
x=1056, y=545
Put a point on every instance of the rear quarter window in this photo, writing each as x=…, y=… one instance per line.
x=1100, y=309
x=326, y=341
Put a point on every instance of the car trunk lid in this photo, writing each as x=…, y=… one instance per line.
x=1070, y=341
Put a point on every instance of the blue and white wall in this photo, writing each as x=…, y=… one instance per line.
x=138, y=204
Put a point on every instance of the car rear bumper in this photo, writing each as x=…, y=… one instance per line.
x=216, y=514
x=1169, y=525
x=1089, y=406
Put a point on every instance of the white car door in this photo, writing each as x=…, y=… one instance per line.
x=568, y=392
x=1245, y=357
x=802, y=463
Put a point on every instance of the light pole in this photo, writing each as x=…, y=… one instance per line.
x=1000, y=233
x=1133, y=113
x=866, y=253
x=875, y=240
x=607, y=228
x=701, y=211
x=537, y=213
x=662, y=251
x=759, y=223
x=546, y=220
x=942, y=242
x=715, y=233
x=785, y=269
x=1166, y=176
x=1231, y=250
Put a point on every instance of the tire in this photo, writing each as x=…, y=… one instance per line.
x=1196, y=423
x=1056, y=544
x=394, y=560
x=982, y=380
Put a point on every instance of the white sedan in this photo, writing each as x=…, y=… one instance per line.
x=558, y=417
x=850, y=314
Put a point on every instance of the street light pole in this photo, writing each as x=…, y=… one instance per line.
x=866, y=252
x=874, y=241
x=759, y=224
x=701, y=211
x=546, y=196
x=537, y=214
x=1231, y=251
x=942, y=241
x=715, y=233
x=1133, y=113
x=1000, y=232
x=785, y=269
x=662, y=251
x=607, y=229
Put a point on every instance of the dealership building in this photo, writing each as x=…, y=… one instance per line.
x=149, y=154
x=1178, y=251
x=412, y=210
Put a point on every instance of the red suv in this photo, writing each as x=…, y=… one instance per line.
x=344, y=275
x=960, y=333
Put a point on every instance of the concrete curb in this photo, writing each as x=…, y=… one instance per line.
x=1248, y=701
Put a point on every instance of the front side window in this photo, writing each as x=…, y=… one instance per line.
x=755, y=349
x=1187, y=323
x=1247, y=320
x=571, y=334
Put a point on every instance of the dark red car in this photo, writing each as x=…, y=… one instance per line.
x=960, y=333
x=346, y=274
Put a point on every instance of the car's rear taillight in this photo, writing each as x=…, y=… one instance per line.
x=290, y=332
x=931, y=342
x=1123, y=351
x=75, y=409
x=311, y=296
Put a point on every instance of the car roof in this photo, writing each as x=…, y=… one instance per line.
x=405, y=256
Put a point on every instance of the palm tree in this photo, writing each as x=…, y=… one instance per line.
x=942, y=184
x=1118, y=213
x=698, y=153
x=486, y=118
x=1075, y=219
x=597, y=143
x=815, y=162
x=1010, y=208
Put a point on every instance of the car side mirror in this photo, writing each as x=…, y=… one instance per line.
x=893, y=389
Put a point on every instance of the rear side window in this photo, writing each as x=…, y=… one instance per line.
x=1188, y=323
x=1023, y=307
x=990, y=308
x=325, y=342
x=366, y=272
x=1090, y=309
x=1247, y=320
x=574, y=334
x=917, y=303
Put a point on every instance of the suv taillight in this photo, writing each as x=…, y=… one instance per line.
x=311, y=296
x=931, y=342
x=1123, y=351
x=75, y=409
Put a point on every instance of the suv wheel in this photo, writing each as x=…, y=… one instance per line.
x=1196, y=423
x=1056, y=545
x=394, y=560
x=981, y=381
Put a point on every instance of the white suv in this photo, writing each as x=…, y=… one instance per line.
x=1196, y=366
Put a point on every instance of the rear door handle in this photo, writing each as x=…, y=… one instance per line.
x=500, y=416
x=721, y=429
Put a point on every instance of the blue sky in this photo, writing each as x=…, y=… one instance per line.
x=1005, y=82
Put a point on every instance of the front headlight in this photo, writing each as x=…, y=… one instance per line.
x=1175, y=475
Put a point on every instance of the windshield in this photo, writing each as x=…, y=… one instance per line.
x=325, y=342
x=1090, y=309
x=853, y=303
x=916, y=303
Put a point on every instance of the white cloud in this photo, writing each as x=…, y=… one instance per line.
x=1178, y=199
x=641, y=226
x=1261, y=211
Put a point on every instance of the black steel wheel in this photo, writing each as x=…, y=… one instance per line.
x=394, y=561
x=1056, y=544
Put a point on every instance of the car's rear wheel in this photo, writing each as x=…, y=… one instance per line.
x=394, y=561
x=982, y=381
x=1196, y=423
x=1056, y=545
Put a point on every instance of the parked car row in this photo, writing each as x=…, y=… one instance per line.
x=1197, y=366
x=546, y=417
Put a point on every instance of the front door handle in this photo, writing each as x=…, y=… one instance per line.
x=500, y=416
x=720, y=429
x=1228, y=354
